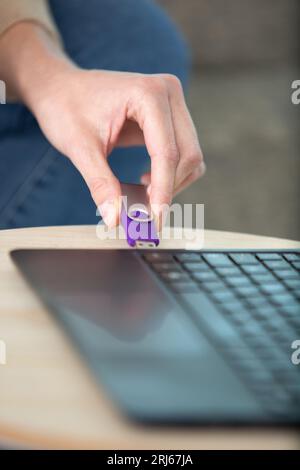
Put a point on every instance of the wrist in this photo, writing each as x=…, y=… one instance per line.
x=32, y=62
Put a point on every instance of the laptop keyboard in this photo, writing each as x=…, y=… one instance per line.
x=257, y=295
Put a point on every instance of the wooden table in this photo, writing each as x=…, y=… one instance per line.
x=48, y=399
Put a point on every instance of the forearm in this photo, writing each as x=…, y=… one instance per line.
x=30, y=59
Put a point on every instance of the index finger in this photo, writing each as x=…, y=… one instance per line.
x=155, y=120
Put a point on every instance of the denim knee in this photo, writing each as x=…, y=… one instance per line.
x=127, y=35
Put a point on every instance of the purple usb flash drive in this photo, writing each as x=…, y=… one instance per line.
x=136, y=220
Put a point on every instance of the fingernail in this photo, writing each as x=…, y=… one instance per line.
x=108, y=211
x=159, y=213
x=203, y=168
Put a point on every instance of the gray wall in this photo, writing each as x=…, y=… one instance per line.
x=244, y=63
x=236, y=32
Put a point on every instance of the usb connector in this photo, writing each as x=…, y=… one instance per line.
x=145, y=244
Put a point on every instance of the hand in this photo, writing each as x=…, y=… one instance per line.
x=86, y=113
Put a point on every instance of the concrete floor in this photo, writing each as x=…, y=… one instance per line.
x=249, y=132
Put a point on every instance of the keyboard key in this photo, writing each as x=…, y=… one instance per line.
x=247, y=291
x=268, y=256
x=205, y=276
x=278, y=264
x=252, y=329
x=161, y=267
x=184, y=287
x=196, y=266
x=274, y=323
x=158, y=257
x=291, y=310
x=174, y=276
x=266, y=348
x=287, y=274
x=217, y=259
x=240, y=316
x=243, y=258
x=274, y=288
x=266, y=311
x=257, y=301
x=283, y=299
x=255, y=269
x=284, y=337
x=296, y=265
x=230, y=271
x=292, y=256
x=297, y=295
x=188, y=257
x=263, y=278
x=214, y=286
x=235, y=307
x=223, y=296
x=279, y=366
x=238, y=281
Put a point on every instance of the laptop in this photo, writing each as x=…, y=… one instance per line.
x=181, y=337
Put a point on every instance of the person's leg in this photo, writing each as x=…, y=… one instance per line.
x=38, y=185
x=125, y=35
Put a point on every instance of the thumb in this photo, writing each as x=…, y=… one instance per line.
x=104, y=186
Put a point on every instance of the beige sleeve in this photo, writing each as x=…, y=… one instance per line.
x=13, y=11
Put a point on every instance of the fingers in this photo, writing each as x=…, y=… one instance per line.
x=191, y=158
x=191, y=178
x=153, y=114
x=170, y=137
x=103, y=185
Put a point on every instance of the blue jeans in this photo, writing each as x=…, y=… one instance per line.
x=39, y=186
